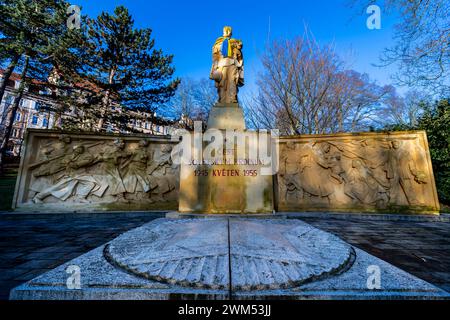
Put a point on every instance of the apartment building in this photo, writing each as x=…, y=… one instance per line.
x=34, y=112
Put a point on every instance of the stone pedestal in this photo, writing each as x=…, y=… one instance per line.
x=226, y=116
x=236, y=182
x=225, y=189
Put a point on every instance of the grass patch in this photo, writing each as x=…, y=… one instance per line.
x=445, y=208
x=7, y=184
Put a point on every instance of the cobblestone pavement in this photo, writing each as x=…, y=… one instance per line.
x=421, y=248
x=33, y=244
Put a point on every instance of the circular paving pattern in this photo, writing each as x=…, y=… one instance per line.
x=251, y=254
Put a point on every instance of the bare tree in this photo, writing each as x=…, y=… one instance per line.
x=193, y=100
x=306, y=88
x=422, y=42
x=403, y=111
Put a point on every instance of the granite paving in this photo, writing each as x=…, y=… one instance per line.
x=187, y=259
x=420, y=247
x=31, y=244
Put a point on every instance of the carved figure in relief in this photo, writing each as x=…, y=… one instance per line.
x=110, y=160
x=403, y=174
x=135, y=178
x=331, y=161
x=373, y=156
x=73, y=181
x=290, y=173
x=318, y=169
x=362, y=187
x=77, y=174
x=52, y=149
x=162, y=173
x=51, y=153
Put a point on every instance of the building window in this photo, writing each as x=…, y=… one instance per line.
x=9, y=99
x=18, y=116
x=45, y=122
x=41, y=106
x=34, y=120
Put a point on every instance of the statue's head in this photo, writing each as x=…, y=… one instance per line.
x=396, y=144
x=325, y=147
x=143, y=143
x=78, y=149
x=227, y=31
x=357, y=164
x=166, y=148
x=290, y=145
x=64, y=138
x=119, y=143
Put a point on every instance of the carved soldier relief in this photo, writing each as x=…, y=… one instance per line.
x=345, y=172
x=86, y=171
x=356, y=172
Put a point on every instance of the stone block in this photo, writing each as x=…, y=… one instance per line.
x=236, y=181
x=62, y=171
x=364, y=172
x=226, y=116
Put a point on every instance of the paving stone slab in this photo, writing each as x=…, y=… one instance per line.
x=274, y=254
x=192, y=253
x=178, y=259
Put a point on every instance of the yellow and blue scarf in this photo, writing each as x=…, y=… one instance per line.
x=226, y=46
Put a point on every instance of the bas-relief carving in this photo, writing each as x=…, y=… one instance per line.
x=164, y=172
x=111, y=171
x=358, y=172
x=368, y=173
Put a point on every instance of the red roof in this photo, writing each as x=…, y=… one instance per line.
x=85, y=84
x=16, y=77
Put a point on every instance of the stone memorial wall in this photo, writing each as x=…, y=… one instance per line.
x=236, y=181
x=356, y=172
x=366, y=172
x=71, y=172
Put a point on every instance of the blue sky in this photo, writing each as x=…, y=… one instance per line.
x=188, y=29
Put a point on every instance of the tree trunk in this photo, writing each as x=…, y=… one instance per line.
x=316, y=123
x=9, y=70
x=105, y=104
x=106, y=101
x=13, y=113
